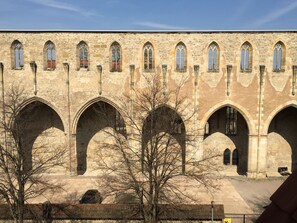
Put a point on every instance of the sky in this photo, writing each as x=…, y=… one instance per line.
x=148, y=14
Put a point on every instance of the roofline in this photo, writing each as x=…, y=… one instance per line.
x=145, y=31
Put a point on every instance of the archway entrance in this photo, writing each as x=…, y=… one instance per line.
x=161, y=125
x=91, y=129
x=282, y=141
x=226, y=132
x=41, y=132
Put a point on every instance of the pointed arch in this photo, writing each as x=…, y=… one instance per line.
x=148, y=57
x=92, y=123
x=235, y=157
x=239, y=108
x=49, y=52
x=226, y=157
x=82, y=55
x=213, y=57
x=272, y=114
x=45, y=102
x=39, y=129
x=88, y=104
x=246, y=57
x=17, y=58
x=279, y=57
x=115, y=57
x=181, y=57
x=164, y=121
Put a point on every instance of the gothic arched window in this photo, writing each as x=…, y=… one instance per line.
x=213, y=57
x=235, y=157
x=116, y=57
x=279, y=57
x=83, y=55
x=148, y=57
x=227, y=155
x=180, y=57
x=50, y=56
x=18, y=55
x=246, y=57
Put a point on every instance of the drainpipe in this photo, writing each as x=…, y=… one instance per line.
x=33, y=66
x=66, y=69
x=229, y=69
x=294, y=68
x=262, y=70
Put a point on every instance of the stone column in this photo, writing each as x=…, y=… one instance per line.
x=252, y=156
x=262, y=156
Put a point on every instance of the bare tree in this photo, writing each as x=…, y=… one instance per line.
x=146, y=155
x=23, y=164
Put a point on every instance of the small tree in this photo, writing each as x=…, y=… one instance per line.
x=147, y=154
x=21, y=165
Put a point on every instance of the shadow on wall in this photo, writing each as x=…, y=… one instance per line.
x=38, y=120
x=226, y=129
x=282, y=141
x=95, y=118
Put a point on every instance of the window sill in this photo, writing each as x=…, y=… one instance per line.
x=213, y=71
x=18, y=68
x=50, y=69
x=115, y=71
x=181, y=70
x=83, y=69
x=279, y=71
x=149, y=70
x=246, y=71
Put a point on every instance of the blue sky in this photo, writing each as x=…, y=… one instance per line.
x=148, y=14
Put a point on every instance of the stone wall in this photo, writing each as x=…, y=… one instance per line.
x=68, y=96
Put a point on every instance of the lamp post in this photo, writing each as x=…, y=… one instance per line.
x=212, y=207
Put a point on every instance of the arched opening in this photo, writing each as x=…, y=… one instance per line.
x=41, y=132
x=235, y=157
x=164, y=128
x=227, y=155
x=282, y=141
x=227, y=128
x=92, y=128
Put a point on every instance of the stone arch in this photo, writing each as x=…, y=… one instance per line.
x=89, y=103
x=282, y=140
x=241, y=109
x=166, y=120
x=43, y=101
x=272, y=114
x=229, y=127
x=41, y=131
x=92, y=123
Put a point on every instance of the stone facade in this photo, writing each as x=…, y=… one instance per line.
x=264, y=98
